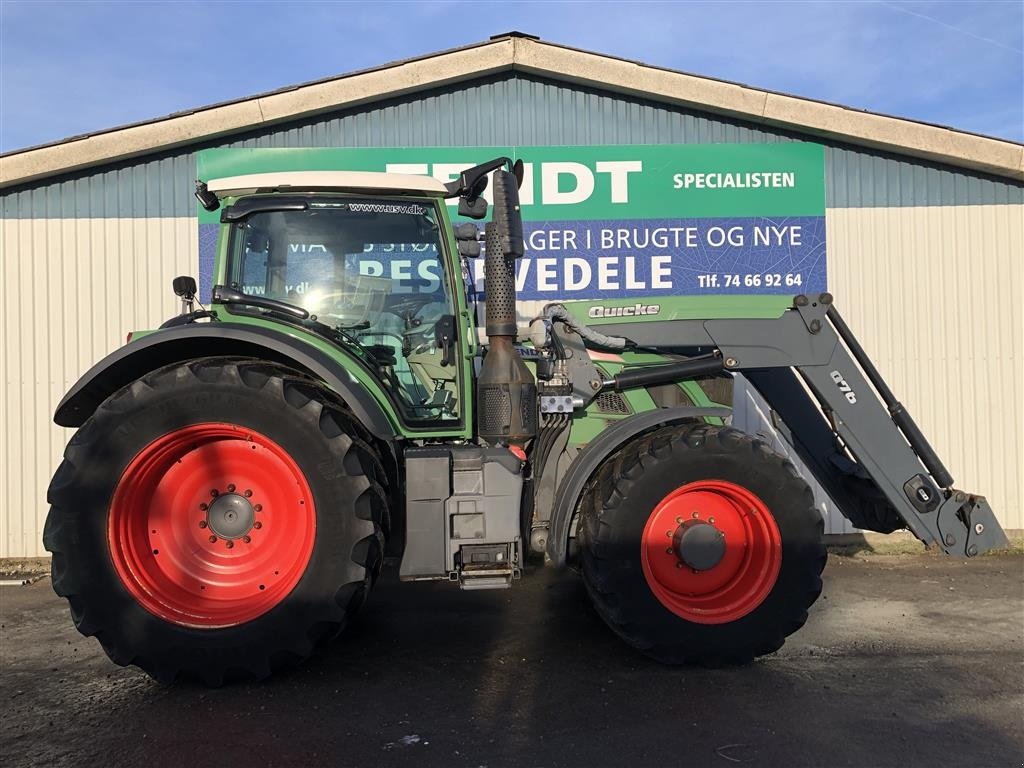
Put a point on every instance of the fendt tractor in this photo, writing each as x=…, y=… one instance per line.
x=241, y=474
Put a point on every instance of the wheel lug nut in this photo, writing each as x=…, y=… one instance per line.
x=214, y=493
x=246, y=539
x=257, y=525
x=204, y=506
x=258, y=508
x=696, y=515
x=229, y=544
x=213, y=539
x=231, y=487
x=248, y=492
x=711, y=520
x=679, y=565
x=679, y=520
x=202, y=523
x=668, y=551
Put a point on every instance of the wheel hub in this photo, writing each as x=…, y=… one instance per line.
x=230, y=516
x=699, y=545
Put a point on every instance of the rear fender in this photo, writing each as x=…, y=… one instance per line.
x=172, y=345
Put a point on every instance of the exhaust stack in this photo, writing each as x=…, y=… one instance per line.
x=506, y=390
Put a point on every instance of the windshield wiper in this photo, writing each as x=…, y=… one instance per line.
x=224, y=295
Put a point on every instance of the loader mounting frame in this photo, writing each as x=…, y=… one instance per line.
x=853, y=407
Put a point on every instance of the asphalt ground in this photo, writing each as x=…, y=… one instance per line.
x=906, y=661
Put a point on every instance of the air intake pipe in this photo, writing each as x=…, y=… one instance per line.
x=506, y=389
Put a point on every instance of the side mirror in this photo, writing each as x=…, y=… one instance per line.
x=472, y=209
x=469, y=248
x=467, y=237
x=467, y=231
x=206, y=198
x=184, y=287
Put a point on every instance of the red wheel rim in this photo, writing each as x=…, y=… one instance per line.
x=750, y=553
x=211, y=525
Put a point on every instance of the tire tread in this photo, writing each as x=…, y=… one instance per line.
x=304, y=396
x=604, y=505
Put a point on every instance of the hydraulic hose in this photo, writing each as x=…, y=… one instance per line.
x=559, y=312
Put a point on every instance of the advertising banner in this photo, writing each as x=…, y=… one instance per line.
x=617, y=221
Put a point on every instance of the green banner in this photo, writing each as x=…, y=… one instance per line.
x=620, y=221
x=587, y=183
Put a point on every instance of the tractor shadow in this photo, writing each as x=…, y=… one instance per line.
x=429, y=675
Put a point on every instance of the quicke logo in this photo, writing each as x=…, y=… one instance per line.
x=637, y=310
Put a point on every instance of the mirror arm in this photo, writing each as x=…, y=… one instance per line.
x=465, y=184
x=472, y=182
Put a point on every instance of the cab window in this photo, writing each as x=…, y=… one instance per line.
x=371, y=269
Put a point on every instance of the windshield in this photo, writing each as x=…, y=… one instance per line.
x=371, y=268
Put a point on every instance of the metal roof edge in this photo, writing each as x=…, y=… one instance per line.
x=183, y=128
x=261, y=95
x=835, y=122
x=518, y=51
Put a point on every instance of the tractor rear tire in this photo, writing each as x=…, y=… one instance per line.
x=216, y=520
x=700, y=545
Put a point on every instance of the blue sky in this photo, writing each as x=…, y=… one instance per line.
x=72, y=67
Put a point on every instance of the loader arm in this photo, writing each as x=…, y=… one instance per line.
x=845, y=421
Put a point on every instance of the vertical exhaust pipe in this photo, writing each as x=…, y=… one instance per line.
x=506, y=390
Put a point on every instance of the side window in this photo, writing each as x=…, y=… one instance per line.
x=370, y=270
x=417, y=301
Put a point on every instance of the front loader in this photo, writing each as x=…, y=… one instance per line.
x=240, y=475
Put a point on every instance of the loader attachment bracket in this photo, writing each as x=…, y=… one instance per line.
x=813, y=312
x=968, y=526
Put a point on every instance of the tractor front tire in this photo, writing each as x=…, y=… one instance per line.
x=700, y=545
x=215, y=520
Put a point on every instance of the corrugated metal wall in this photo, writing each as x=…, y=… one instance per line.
x=98, y=250
x=72, y=289
x=935, y=294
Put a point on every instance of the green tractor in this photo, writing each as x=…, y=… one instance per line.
x=240, y=476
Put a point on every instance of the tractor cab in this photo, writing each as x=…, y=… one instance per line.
x=364, y=255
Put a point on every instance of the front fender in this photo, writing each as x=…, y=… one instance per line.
x=590, y=458
x=171, y=345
